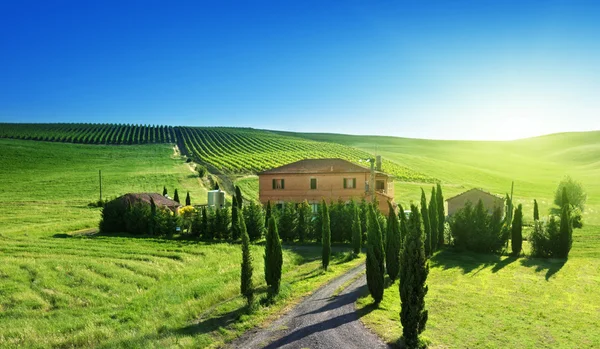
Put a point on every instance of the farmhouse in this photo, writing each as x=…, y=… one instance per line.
x=159, y=200
x=490, y=201
x=317, y=179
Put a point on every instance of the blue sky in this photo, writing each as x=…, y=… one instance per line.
x=448, y=69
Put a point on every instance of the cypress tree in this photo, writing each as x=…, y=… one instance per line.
x=536, y=212
x=188, y=201
x=426, y=225
x=565, y=237
x=204, y=228
x=392, y=247
x=238, y=194
x=356, y=232
x=268, y=213
x=375, y=257
x=247, y=286
x=287, y=222
x=235, y=224
x=517, y=231
x=403, y=226
x=255, y=222
x=273, y=258
x=413, y=276
x=176, y=196
x=302, y=229
x=326, y=239
x=433, y=217
x=565, y=198
x=441, y=215
x=164, y=191
x=152, y=223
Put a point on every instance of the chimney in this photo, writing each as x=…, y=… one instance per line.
x=378, y=163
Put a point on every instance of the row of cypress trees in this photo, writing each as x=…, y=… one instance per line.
x=188, y=200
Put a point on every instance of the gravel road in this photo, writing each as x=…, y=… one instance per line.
x=319, y=321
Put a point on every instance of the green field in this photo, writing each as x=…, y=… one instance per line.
x=61, y=288
x=46, y=187
x=487, y=301
x=536, y=165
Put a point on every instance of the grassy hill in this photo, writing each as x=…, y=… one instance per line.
x=225, y=150
x=536, y=165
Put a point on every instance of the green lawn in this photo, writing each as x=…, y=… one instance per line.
x=45, y=187
x=487, y=301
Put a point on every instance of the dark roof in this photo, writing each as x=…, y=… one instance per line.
x=478, y=189
x=318, y=166
x=159, y=200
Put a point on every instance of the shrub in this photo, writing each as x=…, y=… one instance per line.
x=246, y=287
x=375, y=258
x=303, y=227
x=576, y=218
x=356, y=233
x=413, y=276
x=516, y=240
x=476, y=230
x=326, y=239
x=273, y=258
x=255, y=223
x=433, y=220
x=546, y=240
x=113, y=217
x=392, y=247
x=536, y=211
x=316, y=226
x=426, y=225
x=201, y=171
x=439, y=196
x=570, y=192
x=287, y=222
x=565, y=234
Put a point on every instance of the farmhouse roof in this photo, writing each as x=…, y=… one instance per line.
x=159, y=200
x=476, y=189
x=318, y=166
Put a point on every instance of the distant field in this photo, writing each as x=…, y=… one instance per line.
x=230, y=150
x=536, y=165
x=487, y=301
x=45, y=187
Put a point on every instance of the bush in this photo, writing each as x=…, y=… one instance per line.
x=545, y=239
x=273, y=258
x=287, y=222
x=374, y=265
x=201, y=171
x=255, y=222
x=474, y=229
x=576, y=218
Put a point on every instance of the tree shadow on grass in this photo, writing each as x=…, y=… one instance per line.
x=469, y=261
x=213, y=323
x=552, y=265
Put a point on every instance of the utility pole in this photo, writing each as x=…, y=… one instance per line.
x=100, y=177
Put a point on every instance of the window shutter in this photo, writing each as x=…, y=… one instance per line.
x=344, y=183
x=354, y=183
x=282, y=184
x=274, y=184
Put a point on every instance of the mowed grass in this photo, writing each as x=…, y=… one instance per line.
x=536, y=165
x=108, y=292
x=45, y=187
x=488, y=301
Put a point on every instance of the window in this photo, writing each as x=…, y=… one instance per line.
x=349, y=183
x=380, y=185
x=278, y=184
x=313, y=183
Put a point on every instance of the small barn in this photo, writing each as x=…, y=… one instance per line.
x=159, y=200
x=490, y=201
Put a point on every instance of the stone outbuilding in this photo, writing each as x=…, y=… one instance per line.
x=490, y=201
x=159, y=200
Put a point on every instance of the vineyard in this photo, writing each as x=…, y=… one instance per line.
x=227, y=150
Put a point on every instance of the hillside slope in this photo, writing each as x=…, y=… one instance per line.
x=225, y=150
x=535, y=164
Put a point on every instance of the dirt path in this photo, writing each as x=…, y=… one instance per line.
x=319, y=321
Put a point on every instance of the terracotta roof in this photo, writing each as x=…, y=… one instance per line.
x=159, y=200
x=318, y=166
x=478, y=189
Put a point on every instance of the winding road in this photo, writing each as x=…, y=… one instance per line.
x=319, y=321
